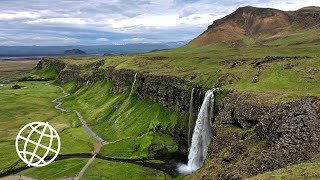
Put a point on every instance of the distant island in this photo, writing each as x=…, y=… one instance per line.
x=74, y=52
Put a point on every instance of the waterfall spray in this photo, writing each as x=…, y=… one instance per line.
x=201, y=137
x=134, y=82
x=190, y=117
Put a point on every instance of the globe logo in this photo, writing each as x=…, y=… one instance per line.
x=37, y=144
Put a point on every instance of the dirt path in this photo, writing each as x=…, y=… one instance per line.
x=97, y=147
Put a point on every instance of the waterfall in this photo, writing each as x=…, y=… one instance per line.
x=201, y=137
x=134, y=82
x=190, y=117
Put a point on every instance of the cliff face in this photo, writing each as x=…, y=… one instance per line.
x=169, y=91
x=260, y=24
x=249, y=137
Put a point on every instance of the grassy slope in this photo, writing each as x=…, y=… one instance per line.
x=57, y=170
x=101, y=169
x=30, y=104
x=126, y=118
x=301, y=171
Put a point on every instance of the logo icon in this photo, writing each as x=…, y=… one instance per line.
x=38, y=144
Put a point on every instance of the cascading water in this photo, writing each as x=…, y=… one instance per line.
x=201, y=137
x=134, y=82
x=190, y=117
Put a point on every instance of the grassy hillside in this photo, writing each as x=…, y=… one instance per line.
x=133, y=125
x=101, y=169
x=57, y=170
x=141, y=139
x=300, y=171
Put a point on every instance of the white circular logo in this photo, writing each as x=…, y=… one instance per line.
x=37, y=144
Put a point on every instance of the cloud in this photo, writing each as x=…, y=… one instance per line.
x=112, y=21
x=102, y=39
x=11, y=15
x=74, y=21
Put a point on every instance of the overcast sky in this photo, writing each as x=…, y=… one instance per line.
x=88, y=22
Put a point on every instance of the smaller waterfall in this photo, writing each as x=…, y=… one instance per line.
x=134, y=82
x=201, y=137
x=190, y=117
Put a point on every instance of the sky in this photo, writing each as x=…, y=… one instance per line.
x=97, y=22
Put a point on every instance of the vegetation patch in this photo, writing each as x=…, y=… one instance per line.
x=102, y=169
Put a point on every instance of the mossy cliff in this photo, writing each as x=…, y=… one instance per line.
x=250, y=136
x=168, y=90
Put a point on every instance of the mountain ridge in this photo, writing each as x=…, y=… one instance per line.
x=259, y=24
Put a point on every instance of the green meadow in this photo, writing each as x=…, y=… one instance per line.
x=33, y=103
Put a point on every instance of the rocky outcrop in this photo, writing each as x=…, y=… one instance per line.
x=169, y=91
x=252, y=138
x=293, y=130
x=45, y=62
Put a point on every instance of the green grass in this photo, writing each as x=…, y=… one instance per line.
x=115, y=116
x=56, y=170
x=304, y=37
x=145, y=146
x=308, y=171
x=111, y=112
x=102, y=169
x=33, y=103
x=48, y=73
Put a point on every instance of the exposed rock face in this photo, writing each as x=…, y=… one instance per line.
x=57, y=64
x=293, y=130
x=169, y=91
x=258, y=23
x=252, y=138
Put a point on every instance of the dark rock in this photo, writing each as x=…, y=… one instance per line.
x=16, y=86
x=169, y=91
x=288, y=66
x=108, y=54
x=292, y=131
x=68, y=75
x=227, y=79
x=259, y=61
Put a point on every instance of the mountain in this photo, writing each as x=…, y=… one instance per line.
x=74, y=52
x=258, y=25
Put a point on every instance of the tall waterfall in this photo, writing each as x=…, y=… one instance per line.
x=201, y=137
x=134, y=82
x=190, y=117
